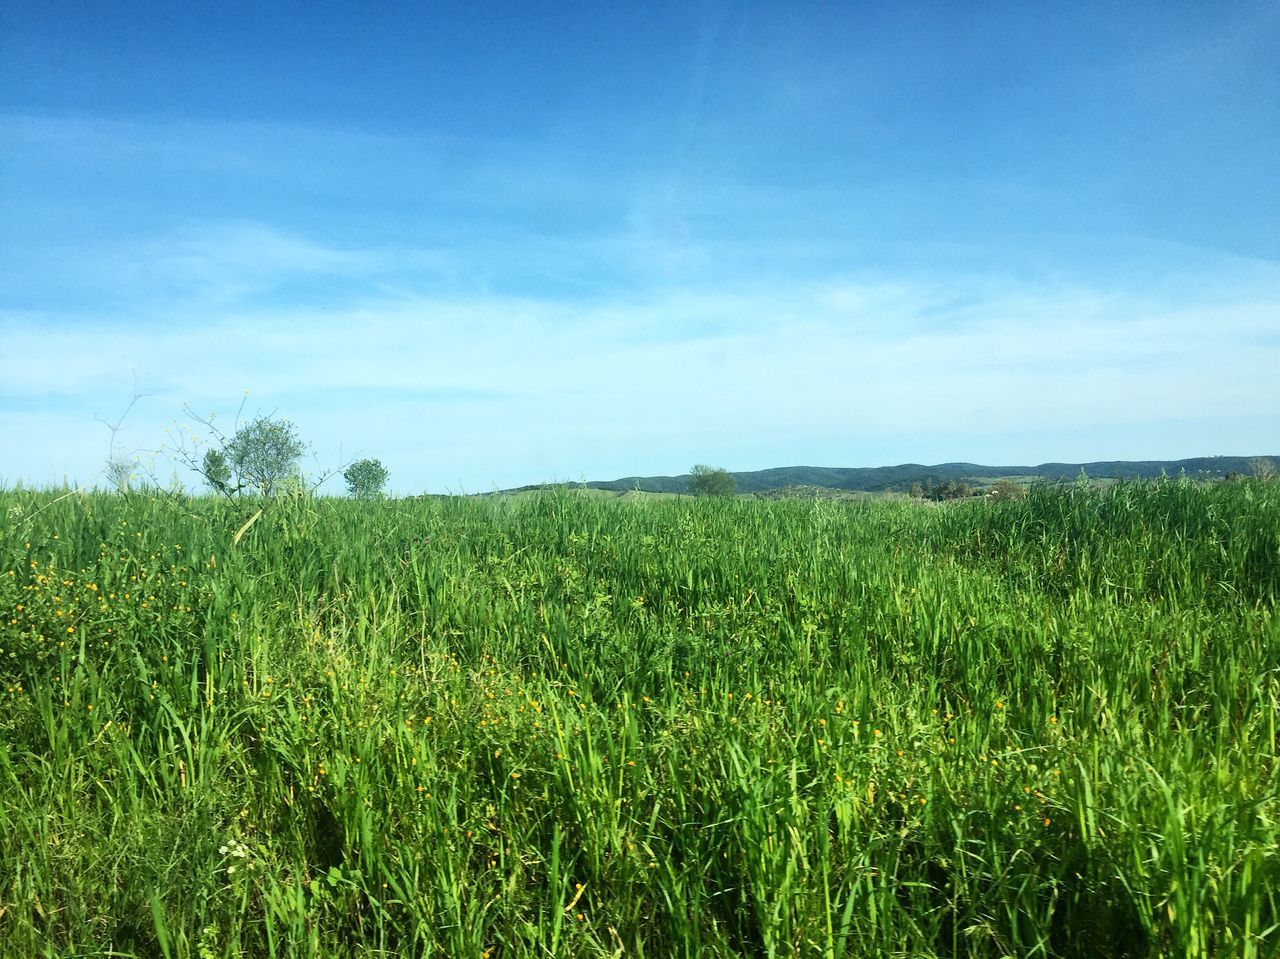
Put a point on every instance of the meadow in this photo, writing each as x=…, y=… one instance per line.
x=560, y=725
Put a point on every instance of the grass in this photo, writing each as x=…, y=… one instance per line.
x=588, y=492
x=565, y=726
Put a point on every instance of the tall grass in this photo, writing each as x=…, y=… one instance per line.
x=570, y=727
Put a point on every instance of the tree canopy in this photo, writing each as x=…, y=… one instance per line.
x=257, y=458
x=711, y=481
x=365, y=478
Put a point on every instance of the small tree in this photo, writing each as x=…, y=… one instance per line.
x=264, y=452
x=259, y=457
x=1007, y=489
x=710, y=481
x=217, y=471
x=940, y=490
x=119, y=474
x=365, y=478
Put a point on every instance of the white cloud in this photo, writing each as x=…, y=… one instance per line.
x=475, y=391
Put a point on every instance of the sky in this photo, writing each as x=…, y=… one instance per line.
x=502, y=244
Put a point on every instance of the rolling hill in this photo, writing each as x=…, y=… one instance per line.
x=900, y=478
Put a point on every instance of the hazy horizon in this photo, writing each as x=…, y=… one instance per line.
x=527, y=243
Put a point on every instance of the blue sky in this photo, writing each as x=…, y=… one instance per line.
x=497, y=244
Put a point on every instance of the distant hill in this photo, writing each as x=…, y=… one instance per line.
x=879, y=479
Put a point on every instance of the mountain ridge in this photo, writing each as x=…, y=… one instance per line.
x=873, y=479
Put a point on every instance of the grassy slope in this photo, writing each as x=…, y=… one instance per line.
x=552, y=727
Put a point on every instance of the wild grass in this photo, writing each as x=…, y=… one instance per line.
x=563, y=726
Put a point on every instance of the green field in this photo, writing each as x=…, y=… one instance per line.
x=570, y=726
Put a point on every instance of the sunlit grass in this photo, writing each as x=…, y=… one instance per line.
x=575, y=727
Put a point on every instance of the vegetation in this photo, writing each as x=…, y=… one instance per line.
x=119, y=474
x=899, y=478
x=941, y=490
x=809, y=492
x=1008, y=489
x=560, y=725
x=258, y=458
x=710, y=481
x=365, y=478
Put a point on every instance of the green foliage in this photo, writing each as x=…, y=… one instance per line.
x=940, y=490
x=119, y=474
x=260, y=457
x=810, y=493
x=899, y=478
x=217, y=471
x=365, y=478
x=710, y=481
x=1007, y=489
x=265, y=452
x=576, y=726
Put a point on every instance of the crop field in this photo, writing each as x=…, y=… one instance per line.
x=572, y=726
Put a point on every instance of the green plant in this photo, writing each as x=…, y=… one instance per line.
x=259, y=457
x=365, y=478
x=217, y=471
x=577, y=726
x=264, y=452
x=711, y=481
x=119, y=474
x=941, y=490
x=1007, y=489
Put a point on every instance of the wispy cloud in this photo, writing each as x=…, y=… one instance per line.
x=750, y=235
x=476, y=390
